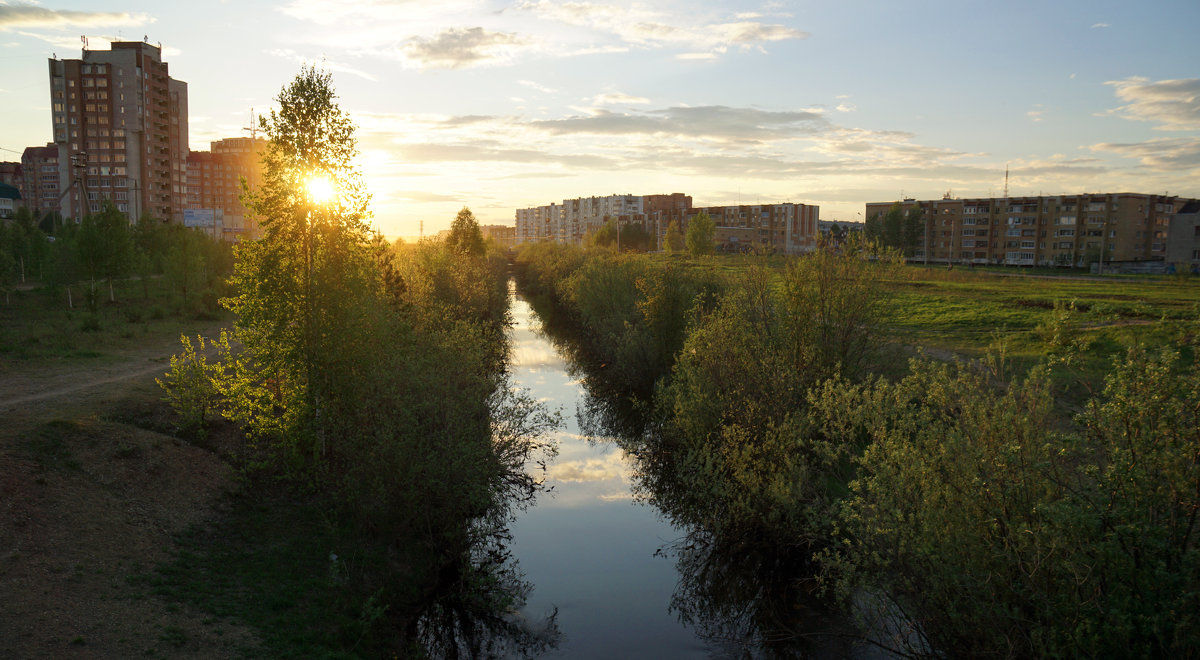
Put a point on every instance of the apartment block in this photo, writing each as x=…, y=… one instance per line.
x=11, y=174
x=121, y=129
x=787, y=228
x=43, y=187
x=1183, y=239
x=1064, y=230
x=215, y=178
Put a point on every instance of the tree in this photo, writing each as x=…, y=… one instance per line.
x=674, y=239
x=701, y=233
x=605, y=236
x=912, y=230
x=465, y=236
x=105, y=247
x=634, y=238
x=304, y=288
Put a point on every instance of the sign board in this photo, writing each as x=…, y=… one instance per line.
x=206, y=218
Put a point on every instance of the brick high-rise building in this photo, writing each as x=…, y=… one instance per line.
x=214, y=182
x=121, y=129
x=39, y=167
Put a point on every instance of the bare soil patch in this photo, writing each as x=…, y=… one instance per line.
x=89, y=504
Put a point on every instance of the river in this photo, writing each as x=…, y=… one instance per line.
x=586, y=547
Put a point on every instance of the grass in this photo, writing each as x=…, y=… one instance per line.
x=46, y=445
x=37, y=326
x=970, y=312
x=267, y=563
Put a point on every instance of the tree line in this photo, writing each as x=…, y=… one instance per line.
x=953, y=509
x=81, y=263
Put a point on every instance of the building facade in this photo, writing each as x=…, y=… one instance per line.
x=1047, y=230
x=214, y=182
x=786, y=227
x=40, y=169
x=1183, y=239
x=120, y=125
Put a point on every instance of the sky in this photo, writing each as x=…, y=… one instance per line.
x=502, y=105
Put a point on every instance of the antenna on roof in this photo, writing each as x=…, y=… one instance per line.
x=83, y=38
x=1006, y=181
x=253, y=128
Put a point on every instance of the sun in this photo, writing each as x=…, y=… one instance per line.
x=320, y=190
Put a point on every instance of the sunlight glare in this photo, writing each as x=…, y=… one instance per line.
x=320, y=190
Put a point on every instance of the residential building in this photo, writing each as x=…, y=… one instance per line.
x=214, y=182
x=122, y=121
x=43, y=187
x=502, y=234
x=1183, y=239
x=1065, y=230
x=787, y=227
x=10, y=201
x=11, y=174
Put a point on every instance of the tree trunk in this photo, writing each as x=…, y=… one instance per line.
x=70, y=302
x=22, y=260
x=111, y=298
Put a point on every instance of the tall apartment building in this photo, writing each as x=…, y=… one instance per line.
x=214, y=182
x=538, y=223
x=1066, y=230
x=121, y=129
x=586, y=215
x=39, y=167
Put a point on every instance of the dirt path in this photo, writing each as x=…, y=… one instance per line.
x=90, y=502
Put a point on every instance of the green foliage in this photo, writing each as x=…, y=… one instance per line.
x=189, y=385
x=897, y=229
x=674, y=238
x=995, y=534
x=104, y=245
x=465, y=236
x=701, y=234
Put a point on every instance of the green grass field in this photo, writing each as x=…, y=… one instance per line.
x=37, y=325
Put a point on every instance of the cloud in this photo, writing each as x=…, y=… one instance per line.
x=364, y=12
x=537, y=86
x=714, y=122
x=846, y=107
x=1100, y=25
x=618, y=98
x=1036, y=115
x=609, y=466
x=1173, y=104
x=644, y=27
x=457, y=48
x=24, y=15
x=289, y=54
x=460, y=152
x=1161, y=154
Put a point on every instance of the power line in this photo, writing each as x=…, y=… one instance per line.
x=11, y=151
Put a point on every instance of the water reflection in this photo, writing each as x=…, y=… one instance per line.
x=587, y=547
x=749, y=596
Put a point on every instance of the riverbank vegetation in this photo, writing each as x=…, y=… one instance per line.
x=370, y=379
x=981, y=504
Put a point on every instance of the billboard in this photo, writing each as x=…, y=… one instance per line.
x=205, y=218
